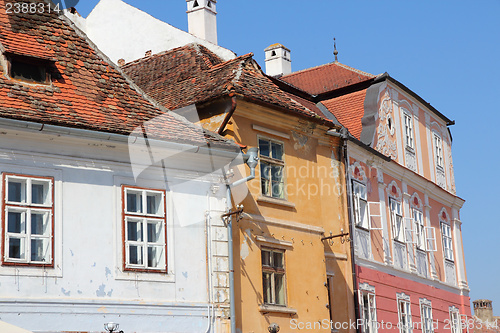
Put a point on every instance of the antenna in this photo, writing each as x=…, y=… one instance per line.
x=335, y=52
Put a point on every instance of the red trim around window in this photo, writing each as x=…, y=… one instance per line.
x=124, y=215
x=4, y=199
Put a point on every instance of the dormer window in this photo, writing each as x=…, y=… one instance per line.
x=28, y=69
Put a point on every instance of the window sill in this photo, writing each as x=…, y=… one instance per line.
x=281, y=202
x=268, y=308
x=359, y=227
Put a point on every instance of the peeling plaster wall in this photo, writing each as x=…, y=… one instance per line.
x=88, y=287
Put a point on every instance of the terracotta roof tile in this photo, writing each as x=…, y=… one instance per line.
x=90, y=93
x=348, y=109
x=324, y=78
x=201, y=76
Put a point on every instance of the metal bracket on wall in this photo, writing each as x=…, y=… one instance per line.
x=237, y=213
x=342, y=235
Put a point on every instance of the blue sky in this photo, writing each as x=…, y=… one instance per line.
x=445, y=51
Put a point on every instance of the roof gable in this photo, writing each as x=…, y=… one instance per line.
x=326, y=78
x=201, y=76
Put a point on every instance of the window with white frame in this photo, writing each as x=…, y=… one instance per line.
x=438, y=151
x=368, y=310
x=144, y=224
x=426, y=316
x=271, y=168
x=360, y=204
x=419, y=229
x=273, y=276
x=408, y=130
x=28, y=220
x=455, y=323
x=397, y=220
x=404, y=313
x=447, y=241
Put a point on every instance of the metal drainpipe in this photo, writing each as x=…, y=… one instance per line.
x=251, y=160
x=351, y=229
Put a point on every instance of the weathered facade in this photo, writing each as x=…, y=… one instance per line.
x=111, y=211
x=285, y=272
x=405, y=215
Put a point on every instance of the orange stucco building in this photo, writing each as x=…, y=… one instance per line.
x=286, y=273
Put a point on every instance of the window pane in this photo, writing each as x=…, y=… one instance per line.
x=155, y=256
x=134, y=202
x=264, y=147
x=39, y=223
x=16, y=248
x=16, y=223
x=135, y=255
x=153, y=203
x=39, y=192
x=16, y=191
x=265, y=169
x=277, y=151
x=134, y=231
x=266, y=284
x=266, y=258
x=39, y=250
x=277, y=260
x=155, y=232
x=279, y=285
x=278, y=190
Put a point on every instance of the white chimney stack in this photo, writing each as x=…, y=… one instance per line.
x=202, y=21
x=278, y=61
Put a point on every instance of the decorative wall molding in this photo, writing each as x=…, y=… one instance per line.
x=393, y=191
x=358, y=172
x=366, y=287
x=386, y=143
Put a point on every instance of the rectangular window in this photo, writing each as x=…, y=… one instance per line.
x=408, y=130
x=405, y=324
x=144, y=225
x=273, y=276
x=438, y=150
x=447, y=241
x=426, y=317
x=368, y=312
x=419, y=229
x=28, y=220
x=360, y=205
x=397, y=220
x=271, y=168
x=455, y=323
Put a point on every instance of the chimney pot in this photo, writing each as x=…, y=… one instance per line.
x=148, y=53
x=202, y=20
x=278, y=61
x=121, y=62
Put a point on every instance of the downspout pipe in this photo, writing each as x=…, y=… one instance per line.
x=251, y=159
x=344, y=136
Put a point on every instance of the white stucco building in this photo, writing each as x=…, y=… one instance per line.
x=111, y=204
x=122, y=31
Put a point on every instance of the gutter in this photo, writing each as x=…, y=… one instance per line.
x=97, y=135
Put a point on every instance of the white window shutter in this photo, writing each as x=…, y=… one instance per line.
x=409, y=230
x=430, y=239
x=372, y=215
x=357, y=219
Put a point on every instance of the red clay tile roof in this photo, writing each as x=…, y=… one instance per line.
x=348, y=109
x=193, y=74
x=324, y=78
x=91, y=92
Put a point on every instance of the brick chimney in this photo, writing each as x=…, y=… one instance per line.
x=483, y=309
x=278, y=60
x=202, y=21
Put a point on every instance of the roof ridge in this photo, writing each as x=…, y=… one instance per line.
x=328, y=64
x=355, y=69
x=176, y=49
